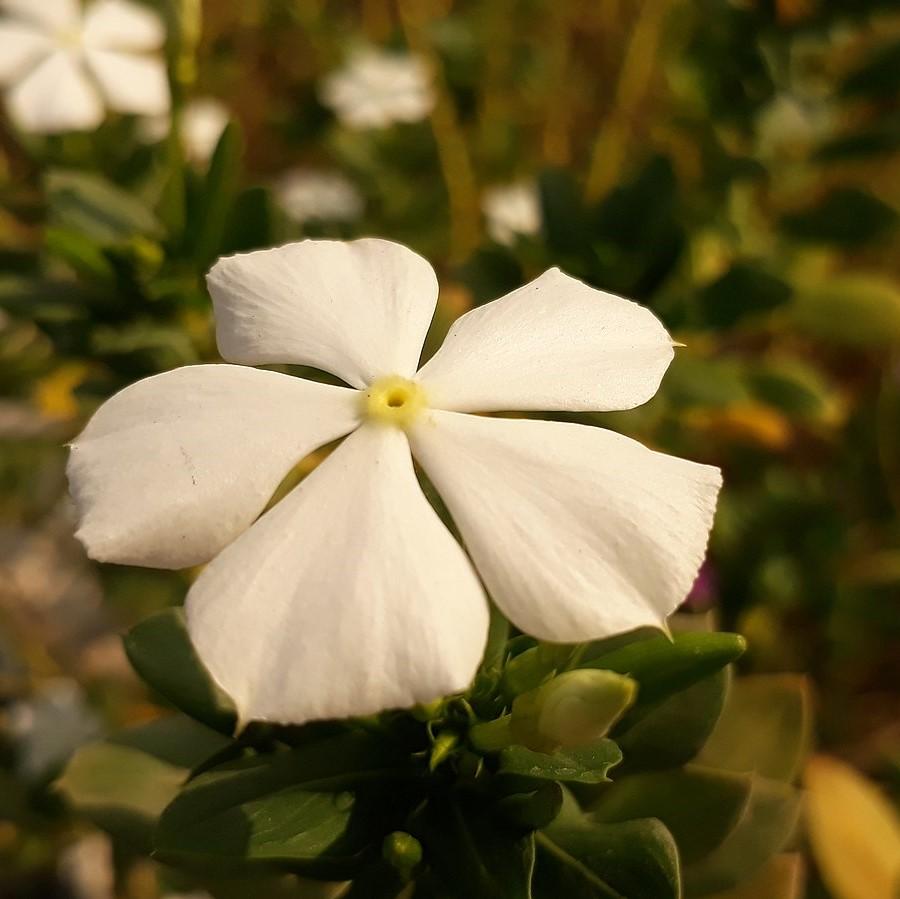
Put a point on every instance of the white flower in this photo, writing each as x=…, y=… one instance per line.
x=376, y=89
x=61, y=63
x=307, y=195
x=350, y=595
x=512, y=210
x=202, y=122
x=788, y=126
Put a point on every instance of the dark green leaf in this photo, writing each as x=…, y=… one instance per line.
x=218, y=195
x=699, y=806
x=768, y=822
x=287, y=808
x=532, y=810
x=847, y=215
x=580, y=859
x=585, y=765
x=673, y=732
x=471, y=854
x=662, y=666
x=161, y=652
x=878, y=76
x=744, y=290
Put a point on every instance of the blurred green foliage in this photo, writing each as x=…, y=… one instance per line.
x=733, y=165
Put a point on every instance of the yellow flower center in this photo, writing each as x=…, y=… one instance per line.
x=394, y=401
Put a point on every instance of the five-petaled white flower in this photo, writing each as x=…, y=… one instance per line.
x=350, y=595
x=60, y=63
x=512, y=211
x=307, y=195
x=376, y=89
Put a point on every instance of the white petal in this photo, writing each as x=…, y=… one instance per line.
x=56, y=15
x=173, y=468
x=138, y=85
x=349, y=597
x=359, y=310
x=55, y=97
x=577, y=532
x=21, y=46
x=119, y=25
x=553, y=344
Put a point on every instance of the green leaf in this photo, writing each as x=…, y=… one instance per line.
x=673, y=732
x=90, y=205
x=764, y=829
x=878, y=76
x=123, y=783
x=470, y=853
x=744, y=290
x=782, y=878
x=288, y=808
x=563, y=213
x=161, y=652
x=846, y=216
x=584, y=765
x=663, y=666
x=532, y=810
x=765, y=727
x=581, y=859
x=699, y=806
x=218, y=195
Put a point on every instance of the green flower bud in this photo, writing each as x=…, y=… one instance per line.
x=403, y=852
x=573, y=709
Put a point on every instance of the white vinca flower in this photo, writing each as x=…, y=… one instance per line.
x=203, y=121
x=307, y=195
x=350, y=595
x=376, y=89
x=61, y=62
x=512, y=211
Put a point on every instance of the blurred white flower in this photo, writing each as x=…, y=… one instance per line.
x=307, y=195
x=512, y=211
x=789, y=126
x=376, y=89
x=50, y=727
x=60, y=63
x=86, y=867
x=203, y=120
x=350, y=595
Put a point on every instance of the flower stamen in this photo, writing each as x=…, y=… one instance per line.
x=394, y=400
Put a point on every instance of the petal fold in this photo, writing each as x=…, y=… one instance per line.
x=577, y=532
x=119, y=25
x=554, y=344
x=348, y=597
x=55, y=97
x=175, y=467
x=359, y=310
x=136, y=85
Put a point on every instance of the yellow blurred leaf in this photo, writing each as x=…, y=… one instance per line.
x=782, y=878
x=854, y=831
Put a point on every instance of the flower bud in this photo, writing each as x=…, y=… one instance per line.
x=573, y=709
x=402, y=851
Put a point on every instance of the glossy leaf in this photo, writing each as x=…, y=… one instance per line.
x=161, y=652
x=290, y=808
x=584, y=765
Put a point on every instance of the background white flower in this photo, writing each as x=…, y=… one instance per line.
x=376, y=89
x=60, y=64
x=203, y=120
x=350, y=595
x=307, y=194
x=511, y=211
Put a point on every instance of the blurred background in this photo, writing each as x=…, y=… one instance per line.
x=734, y=165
